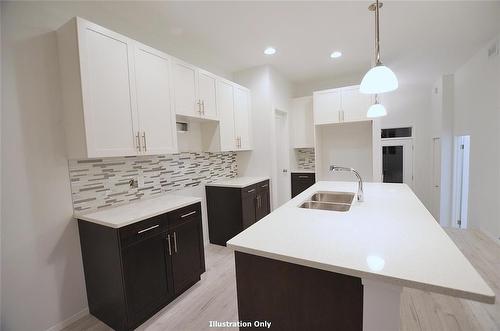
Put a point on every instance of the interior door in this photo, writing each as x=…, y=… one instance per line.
x=282, y=159
x=187, y=263
x=242, y=118
x=206, y=93
x=156, y=117
x=436, y=177
x=225, y=109
x=184, y=81
x=397, y=161
x=148, y=276
x=108, y=96
x=326, y=107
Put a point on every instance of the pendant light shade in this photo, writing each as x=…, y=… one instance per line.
x=379, y=79
x=376, y=110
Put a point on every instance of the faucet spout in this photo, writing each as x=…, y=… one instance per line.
x=334, y=168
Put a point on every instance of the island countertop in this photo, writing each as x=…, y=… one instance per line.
x=390, y=237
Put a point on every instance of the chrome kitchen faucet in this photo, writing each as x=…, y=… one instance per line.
x=334, y=168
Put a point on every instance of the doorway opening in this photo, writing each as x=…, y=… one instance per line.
x=282, y=159
x=461, y=182
x=397, y=160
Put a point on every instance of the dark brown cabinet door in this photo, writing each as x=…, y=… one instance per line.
x=301, y=181
x=248, y=205
x=263, y=206
x=148, y=277
x=188, y=258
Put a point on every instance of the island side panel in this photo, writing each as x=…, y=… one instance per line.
x=294, y=297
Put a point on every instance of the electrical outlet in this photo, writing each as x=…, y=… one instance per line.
x=133, y=182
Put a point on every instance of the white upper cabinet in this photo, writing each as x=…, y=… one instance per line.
x=242, y=118
x=345, y=104
x=207, y=94
x=98, y=94
x=327, y=106
x=302, y=125
x=157, y=129
x=225, y=109
x=116, y=94
x=185, y=89
x=195, y=91
x=355, y=104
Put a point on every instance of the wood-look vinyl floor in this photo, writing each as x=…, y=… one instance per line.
x=214, y=297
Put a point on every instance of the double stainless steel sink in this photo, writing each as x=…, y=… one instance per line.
x=334, y=201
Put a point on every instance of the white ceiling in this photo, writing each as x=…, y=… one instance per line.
x=419, y=40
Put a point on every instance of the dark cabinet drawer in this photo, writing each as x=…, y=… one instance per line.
x=301, y=181
x=184, y=214
x=143, y=229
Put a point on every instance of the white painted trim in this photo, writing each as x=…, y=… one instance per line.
x=61, y=325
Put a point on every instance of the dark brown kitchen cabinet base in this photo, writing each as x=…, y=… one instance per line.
x=134, y=271
x=301, y=181
x=294, y=297
x=232, y=210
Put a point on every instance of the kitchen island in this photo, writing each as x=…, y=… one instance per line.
x=301, y=268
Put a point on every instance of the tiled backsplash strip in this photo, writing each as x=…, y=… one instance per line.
x=99, y=183
x=305, y=158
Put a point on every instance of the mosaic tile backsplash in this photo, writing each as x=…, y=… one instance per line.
x=99, y=183
x=305, y=158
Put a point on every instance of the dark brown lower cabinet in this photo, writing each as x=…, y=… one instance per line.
x=294, y=297
x=134, y=271
x=232, y=210
x=301, y=181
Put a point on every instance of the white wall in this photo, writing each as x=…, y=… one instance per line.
x=42, y=277
x=409, y=105
x=270, y=91
x=477, y=113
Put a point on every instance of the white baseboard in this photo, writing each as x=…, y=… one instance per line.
x=61, y=325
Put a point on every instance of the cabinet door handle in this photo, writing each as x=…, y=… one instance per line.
x=199, y=106
x=203, y=106
x=148, y=229
x=250, y=191
x=169, y=245
x=138, y=141
x=175, y=242
x=188, y=214
x=144, y=140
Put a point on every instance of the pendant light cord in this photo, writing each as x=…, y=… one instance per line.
x=377, y=35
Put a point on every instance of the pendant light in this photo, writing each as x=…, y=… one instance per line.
x=376, y=110
x=379, y=79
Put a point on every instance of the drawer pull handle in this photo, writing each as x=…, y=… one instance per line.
x=175, y=242
x=148, y=229
x=169, y=245
x=264, y=185
x=188, y=214
x=303, y=176
x=250, y=191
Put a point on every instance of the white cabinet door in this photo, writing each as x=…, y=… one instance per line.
x=355, y=104
x=225, y=109
x=302, y=124
x=108, y=98
x=206, y=94
x=184, y=80
x=242, y=118
x=326, y=106
x=156, y=117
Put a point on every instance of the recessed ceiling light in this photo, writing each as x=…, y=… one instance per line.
x=270, y=51
x=336, y=55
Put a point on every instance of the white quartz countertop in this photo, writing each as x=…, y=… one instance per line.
x=390, y=237
x=238, y=182
x=137, y=211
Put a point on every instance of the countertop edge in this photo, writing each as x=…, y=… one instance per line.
x=252, y=181
x=84, y=217
x=373, y=276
